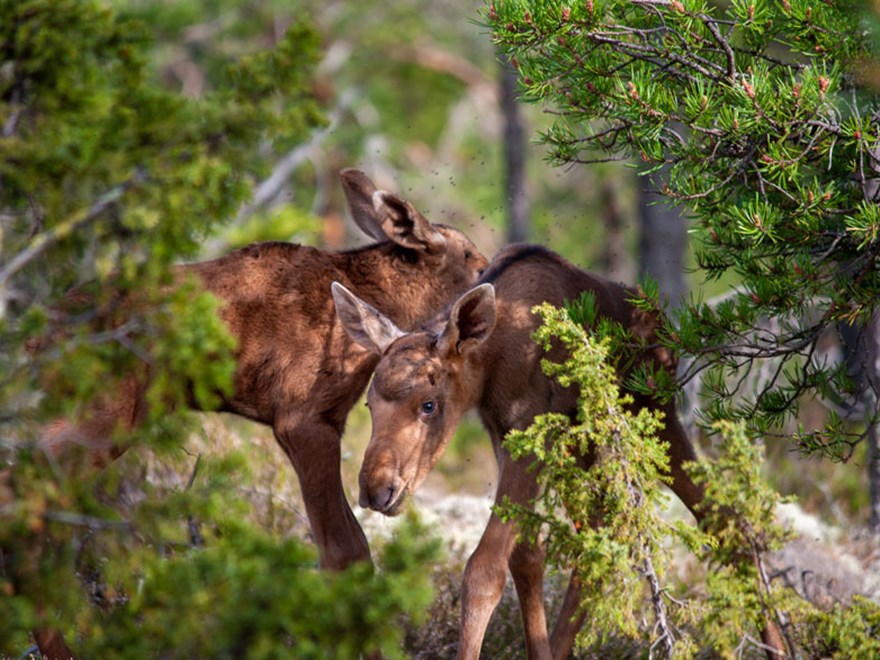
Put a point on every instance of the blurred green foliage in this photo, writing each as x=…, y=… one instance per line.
x=109, y=177
x=185, y=572
x=251, y=595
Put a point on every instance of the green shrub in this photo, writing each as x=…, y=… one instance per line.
x=605, y=522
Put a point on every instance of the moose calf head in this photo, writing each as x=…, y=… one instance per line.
x=422, y=386
x=447, y=260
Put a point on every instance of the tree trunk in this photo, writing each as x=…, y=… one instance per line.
x=869, y=355
x=861, y=351
x=662, y=242
x=873, y=440
x=614, y=262
x=514, y=156
x=870, y=352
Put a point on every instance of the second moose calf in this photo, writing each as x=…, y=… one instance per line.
x=480, y=355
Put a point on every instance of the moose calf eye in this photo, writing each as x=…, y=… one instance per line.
x=428, y=407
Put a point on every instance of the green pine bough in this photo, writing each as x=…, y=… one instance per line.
x=761, y=118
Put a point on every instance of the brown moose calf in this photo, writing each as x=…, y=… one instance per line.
x=481, y=355
x=296, y=368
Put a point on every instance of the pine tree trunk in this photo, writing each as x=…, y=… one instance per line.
x=873, y=461
x=861, y=350
x=514, y=156
x=662, y=242
x=869, y=355
x=870, y=348
x=614, y=261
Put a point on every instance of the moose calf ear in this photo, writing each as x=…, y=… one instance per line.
x=471, y=321
x=364, y=323
x=384, y=216
x=407, y=227
x=359, y=194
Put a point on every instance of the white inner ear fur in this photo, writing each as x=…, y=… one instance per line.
x=365, y=324
x=471, y=321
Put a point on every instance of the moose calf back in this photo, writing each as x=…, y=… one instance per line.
x=523, y=277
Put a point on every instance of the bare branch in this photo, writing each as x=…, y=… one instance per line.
x=269, y=189
x=665, y=639
x=728, y=51
x=82, y=520
x=192, y=525
x=64, y=229
x=441, y=60
x=15, y=101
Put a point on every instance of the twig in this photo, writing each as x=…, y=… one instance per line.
x=665, y=638
x=32, y=652
x=637, y=497
x=778, y=616
x=269, y=189
x=16, y=98
x=195, y=536
x=82, y=520
x=441, y=60
x=725, y=46
x=195, y=471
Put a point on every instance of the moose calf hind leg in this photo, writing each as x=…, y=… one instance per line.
x=569, y=622
x=527, y=568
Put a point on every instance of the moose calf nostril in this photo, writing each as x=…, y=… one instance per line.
x=389, y=498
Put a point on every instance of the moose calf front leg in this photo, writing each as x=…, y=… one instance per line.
x=314, y=450
x=569, y=622
x=483, y=584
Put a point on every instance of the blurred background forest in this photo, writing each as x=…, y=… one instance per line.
x=414, y=94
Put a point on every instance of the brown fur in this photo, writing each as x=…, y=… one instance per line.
x=480, y=355
x=297, y=369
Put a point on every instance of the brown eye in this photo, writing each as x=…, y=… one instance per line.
x=428, y=407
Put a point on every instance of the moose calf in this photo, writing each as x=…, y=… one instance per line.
x=480, y=355
x=296, y=368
